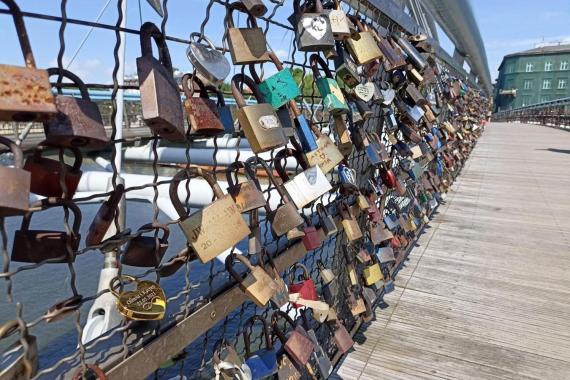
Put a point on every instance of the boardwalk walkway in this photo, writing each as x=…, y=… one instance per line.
x=486, y=293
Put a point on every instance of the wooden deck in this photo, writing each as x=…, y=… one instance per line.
x=486, y=293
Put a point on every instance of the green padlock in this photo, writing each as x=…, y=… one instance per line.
x=278, y=89
x=333, y=99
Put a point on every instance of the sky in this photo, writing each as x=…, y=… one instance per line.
x=506, y=26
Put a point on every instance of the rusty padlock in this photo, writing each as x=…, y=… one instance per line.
x=25, y=364
x=25, y=92
x=160, y=96
x=34, y=246
x=257, y=284
x=255, y=7
x=104, y=217
x=246, y=194
x=78, y=122
x=147, y=251
x=202, y=112
x=297, y=343
x=285, y=217
x=46, y=174
x=349, y=223
x=16, y=189
x=216, y=227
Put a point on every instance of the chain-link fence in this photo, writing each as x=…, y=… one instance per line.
x=204, y=304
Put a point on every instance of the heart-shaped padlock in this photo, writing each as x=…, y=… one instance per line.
x=365, y=92
x=210, y=64
x=146, y=303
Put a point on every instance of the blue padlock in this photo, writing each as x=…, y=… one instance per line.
x=263, y=363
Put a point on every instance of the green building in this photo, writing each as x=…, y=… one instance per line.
x=533, y=76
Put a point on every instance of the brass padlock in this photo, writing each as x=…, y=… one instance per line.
x=362, y=45
x=216, y=227
x=147, y=251
x=25, y=364
x=340, y=25
x=78, y=122
x=35, y=246
x=246, y=194
x=286, y=217
x=343, y=140
x=349, y=223
x=257, y=284
x=281, y=295
x=202, y=112
x=25, y=92
x=16, y=190
x=327, y=155
x=259, y=122
x=104, y=217
x=247, y=45
x=160, y=96
x=45, y=174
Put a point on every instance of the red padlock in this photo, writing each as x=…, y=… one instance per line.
x=388, y=177
x=311, y=240
x=306, y=287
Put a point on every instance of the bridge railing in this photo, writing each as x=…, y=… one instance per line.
x=555, y=113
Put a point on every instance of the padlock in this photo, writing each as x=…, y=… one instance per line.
x=78, y=122
x=313, y=31
x=326, y=221
x=393, y=60
x=280, y=296
x=327, y=155
x=378, y=234
x=363, y=109
x=362, y=45
x=346, y=69
x=347, y=176
x=216, y=227
x=35, y=246
x=247, y=45
x=147, y=251
x=306, y=186
x=355, y=300
x=296, y=344
x=257, y=284
x=305, y=286
x=363, y=256
x=228, y=364
x=380, y=147
x=224, y=111
x=341, y=336
x=326, y=274
x=343, y=140
x=147, y=302
x=46, y=173
x=202, y=112
x=25, y=365
x=349, y=223
x=311, y=239
x=409, y=132
x=288, y=370
x=402, y=148
x=414, y=56
x=160, y=96
x=104, y=217
x=305, y=134
x=210, y=64
x=262, y=363
x=385, y=255
x=25, y=92
x=16, y=191
x=286, y=217
x=246, y=194
x=372, y=274
x=258, y=121
x=369, y=295
x=255, y=7
x=319, y=355
x=340, y=25
x=280, y=88
x=254, y=238
x=329, y=282
x=333, y=99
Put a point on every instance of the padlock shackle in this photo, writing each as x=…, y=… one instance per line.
x=150, y=31
x=186, y=174
x=22, y=32
x=344, y=211
x=230, y=260
x=255, y=160
x=111, y=203
x=74, y=78
x=196, y=37
x=157, y=226
x=281, y=156
x=238, y=6
x=356, y=21
x=188, y=77
x=265, y=253
x=317, y=7
x=219, y=95
x=16, y=151
x=234, y=168
x=242, y=79
x=317, y=61
x=321, y=211
x=119, y=281
x=75, y=168
x=54, y=202
x=275, y=321
x=293, y=268
x=246, y=337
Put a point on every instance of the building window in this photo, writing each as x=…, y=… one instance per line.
x=529, y=67
x=548, y=66
x=510, y=69
x=526, y=101
x=527, y=84
x=547, y=84
x=544, y=99
x=564, y=65
x=562, y=83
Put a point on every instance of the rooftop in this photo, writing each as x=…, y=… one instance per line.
x=548, y=49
